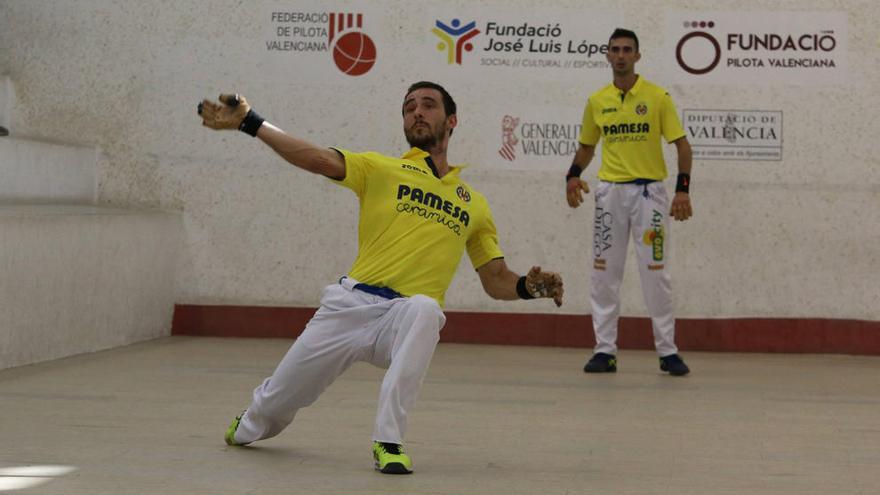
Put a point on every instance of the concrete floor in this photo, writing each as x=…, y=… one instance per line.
x=149, y=419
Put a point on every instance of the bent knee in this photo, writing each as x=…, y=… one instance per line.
x=427, y=306
x=424, y=303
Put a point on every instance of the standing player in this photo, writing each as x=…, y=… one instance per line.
x=417, y=217
x=631, y=115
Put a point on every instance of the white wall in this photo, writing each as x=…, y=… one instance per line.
x=792, y=238
x=79, y=278
x=44, y=172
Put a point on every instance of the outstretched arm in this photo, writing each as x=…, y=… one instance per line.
x=234, y=112
x=501, y=283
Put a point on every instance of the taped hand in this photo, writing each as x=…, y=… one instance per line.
x=545, y=284
x=228, y=114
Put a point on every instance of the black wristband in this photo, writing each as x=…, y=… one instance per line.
x=521, y=289
x=683, y=183
x=573, y=171
x=251, y=123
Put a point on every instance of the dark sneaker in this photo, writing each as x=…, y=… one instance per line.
x=601, y=363
x=674, y=365
x=230, y=432
x=390, y=458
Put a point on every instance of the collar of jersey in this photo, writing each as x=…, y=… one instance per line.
x=417, y=154
x=633, y=90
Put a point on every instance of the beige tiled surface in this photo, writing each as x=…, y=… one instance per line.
x=149, y=419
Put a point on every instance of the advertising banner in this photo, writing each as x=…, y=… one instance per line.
x=491, y=45
x=752, y=135
x=321, y=42
x=756, y=47
x=531, y=137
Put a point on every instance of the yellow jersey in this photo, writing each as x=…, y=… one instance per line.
x=630, y=125
x=414, y=227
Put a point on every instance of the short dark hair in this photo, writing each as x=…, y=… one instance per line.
x=448, y=103
x=624, y=33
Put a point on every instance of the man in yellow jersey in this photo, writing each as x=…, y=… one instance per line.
x=630, y=116
x=417, y=218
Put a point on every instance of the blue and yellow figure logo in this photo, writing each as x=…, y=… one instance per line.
x=454, y=39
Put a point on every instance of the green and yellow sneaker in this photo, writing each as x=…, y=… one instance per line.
x=230, y=432
x=390, y=458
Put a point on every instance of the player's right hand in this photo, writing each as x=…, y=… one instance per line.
x=574, y=191
x=227, y=114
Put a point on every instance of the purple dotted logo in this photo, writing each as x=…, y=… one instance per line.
x=699, y=24
x=693, y=67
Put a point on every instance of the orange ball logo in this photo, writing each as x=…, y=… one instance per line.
x=354, y=53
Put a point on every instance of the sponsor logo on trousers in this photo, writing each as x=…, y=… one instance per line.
x=654, y=235
x=602, y=231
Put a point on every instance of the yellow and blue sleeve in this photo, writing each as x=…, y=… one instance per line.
x=482, y=245
x=589, y=130
x=669, y=121
x=357, y=167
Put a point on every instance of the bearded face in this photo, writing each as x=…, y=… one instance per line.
x=425, y=136
x=425, y=123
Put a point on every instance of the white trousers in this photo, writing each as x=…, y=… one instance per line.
x=640, y=211
x=398, y=334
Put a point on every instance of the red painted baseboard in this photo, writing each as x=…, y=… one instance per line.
x=800, y=335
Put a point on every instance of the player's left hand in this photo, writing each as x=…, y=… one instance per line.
x=681, y=207
x=545, y=284
x=574, y=189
